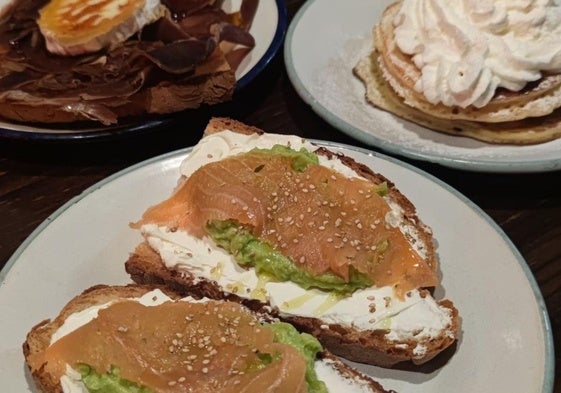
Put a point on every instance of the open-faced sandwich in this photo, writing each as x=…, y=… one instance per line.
x=141, y=339
x=309, y=235
x=488, y=70
x=70, y=60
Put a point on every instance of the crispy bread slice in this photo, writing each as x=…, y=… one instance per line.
x=523, y=132
x=39, y=338
x=536, y=100
x=146, y=266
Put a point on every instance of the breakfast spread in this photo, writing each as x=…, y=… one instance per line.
x=489, y=70
x=66, y=60
x=273, y=221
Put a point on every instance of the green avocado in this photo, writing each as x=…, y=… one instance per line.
x=300, y=159
x=110, y=382
x=250, y=251
x=307, y=345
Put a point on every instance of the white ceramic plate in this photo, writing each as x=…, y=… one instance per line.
x=325, y=41
x=268, y=29
x=505, y=346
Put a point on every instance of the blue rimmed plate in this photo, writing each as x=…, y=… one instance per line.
x=268, y=29
x=324, y=42
x=506, y=341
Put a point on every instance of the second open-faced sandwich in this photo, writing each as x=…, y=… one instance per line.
x=314, y=237
x=142, y=339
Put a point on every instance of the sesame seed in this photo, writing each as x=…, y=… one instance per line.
x=181, y=379
x=205, y=370
x=171, y=383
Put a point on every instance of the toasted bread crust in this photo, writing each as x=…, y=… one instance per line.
x=38, y=339
x=146, y=267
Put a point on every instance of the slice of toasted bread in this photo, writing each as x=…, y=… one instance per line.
x=74, y=27
x=337, y=375
x=372, y=334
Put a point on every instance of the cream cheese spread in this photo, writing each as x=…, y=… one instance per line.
x=466, y=49
x=412, y=318
x=71, y=382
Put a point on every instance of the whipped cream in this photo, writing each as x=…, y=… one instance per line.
x=466, y=49
x=372, y=308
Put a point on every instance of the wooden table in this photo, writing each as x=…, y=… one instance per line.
x=37, y=178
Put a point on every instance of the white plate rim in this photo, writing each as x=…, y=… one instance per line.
x=549, y=364
x=481, y=165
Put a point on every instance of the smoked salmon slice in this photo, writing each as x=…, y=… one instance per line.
x=181, y=347
x=321, y=219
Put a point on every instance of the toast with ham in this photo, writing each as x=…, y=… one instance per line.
x=311, y=236
x=149, y=339
x=66, y=61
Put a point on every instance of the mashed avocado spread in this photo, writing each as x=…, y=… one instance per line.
x=300, y=159
x=308, y=346
x=110, y=382
x=249, y=251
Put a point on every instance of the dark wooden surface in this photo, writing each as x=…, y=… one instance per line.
x=37, y=178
